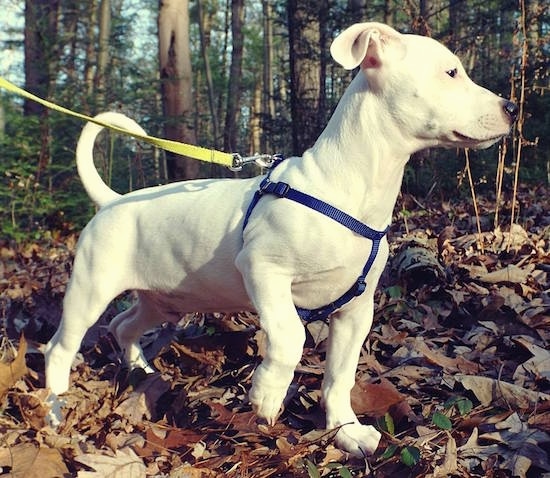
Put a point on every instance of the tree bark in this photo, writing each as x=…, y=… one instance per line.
x=103, y=51
x=255, y=120
x=305, y=72
x=357, y=10
x=41, y=18
x=268, y=94
x=423, y=25
x=235, y=74
x=176, y=84
x=208, y=73
x=91, y=50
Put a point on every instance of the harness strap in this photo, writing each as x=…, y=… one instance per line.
x=283, y=190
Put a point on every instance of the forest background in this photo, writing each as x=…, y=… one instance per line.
x=456, y=369
x=239, y=76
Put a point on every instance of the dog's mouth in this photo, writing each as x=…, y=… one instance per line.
x=468, y=139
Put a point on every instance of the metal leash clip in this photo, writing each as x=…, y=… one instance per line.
x=262, y=160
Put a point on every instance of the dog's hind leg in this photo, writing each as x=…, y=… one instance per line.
x=128, y=326
x=346, y=336
x=94, y=283
x=82, y=307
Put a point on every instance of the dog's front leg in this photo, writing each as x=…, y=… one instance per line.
x=271, y=295
x=285, y=338
x=348, y=330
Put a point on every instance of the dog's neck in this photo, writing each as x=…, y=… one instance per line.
x=360, y=162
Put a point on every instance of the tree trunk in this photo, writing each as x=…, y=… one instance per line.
x=235, y=75
x=41, y=18
x=208, y=73
x=423, y=23
x=176, y=84
x=255, y=120
x=305, y=72
x=91, y=51
x=103, y=51
x=388, y=13
x=268, y=96
x=357, y=10
x=455, y=22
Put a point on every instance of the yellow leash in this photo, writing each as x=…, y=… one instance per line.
x=231, y=160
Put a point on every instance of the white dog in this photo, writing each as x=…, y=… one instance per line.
x=183, y=246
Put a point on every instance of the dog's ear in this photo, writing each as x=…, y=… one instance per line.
x=364, y=44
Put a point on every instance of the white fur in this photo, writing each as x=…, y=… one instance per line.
x=181, y=246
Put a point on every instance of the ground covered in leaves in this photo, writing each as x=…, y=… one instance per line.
x=456, y=371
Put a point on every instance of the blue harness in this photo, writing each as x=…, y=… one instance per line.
x=283, y=190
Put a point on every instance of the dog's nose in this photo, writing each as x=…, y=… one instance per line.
x=511, y=109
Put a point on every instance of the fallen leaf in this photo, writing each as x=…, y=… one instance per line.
x=459, y=364
x=449, y=466
x=374, y=399
x=520, y=445
x=141, y=402
x=171, y=440
x=510, y=273
x=538, y=365
x=27, y=460
x=33, y=407
x=123, y=464
x=541, y=421
x=11, y=372
x=489, y=391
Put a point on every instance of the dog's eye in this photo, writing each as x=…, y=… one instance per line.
x=452, y=73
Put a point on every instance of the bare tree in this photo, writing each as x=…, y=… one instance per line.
x=91, y=48
x=103, y=50
x=235, y=74
x=204, y=35
x=268, y=96
x=41, y=17
x=304, y=25
x=177, y=84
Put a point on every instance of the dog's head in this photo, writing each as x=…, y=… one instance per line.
x=424, y=87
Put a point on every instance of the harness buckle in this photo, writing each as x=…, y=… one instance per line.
x=360, y=286
x=279, y=189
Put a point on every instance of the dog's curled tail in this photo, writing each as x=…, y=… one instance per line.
x=96, y=188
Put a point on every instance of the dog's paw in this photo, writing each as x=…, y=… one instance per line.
x=359, y=440
x=267, y=393
x=267, y=402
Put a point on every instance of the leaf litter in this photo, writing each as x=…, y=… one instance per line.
x=455, y=372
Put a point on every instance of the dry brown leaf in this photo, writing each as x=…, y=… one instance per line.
x=11, y=372
x=29, y=461
x=516, y=238
x=459, y=364
x=117, y=440
x=123, y=464
x=490, y=391
x=187, y=471
x=538, y=365
x=33, y=407
x=541, y=421
x=510, y=273
x=245, y=422
x=374, y=399
x=174, y=439
x=141, y=403
x=449, y=467
x=208, y=356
